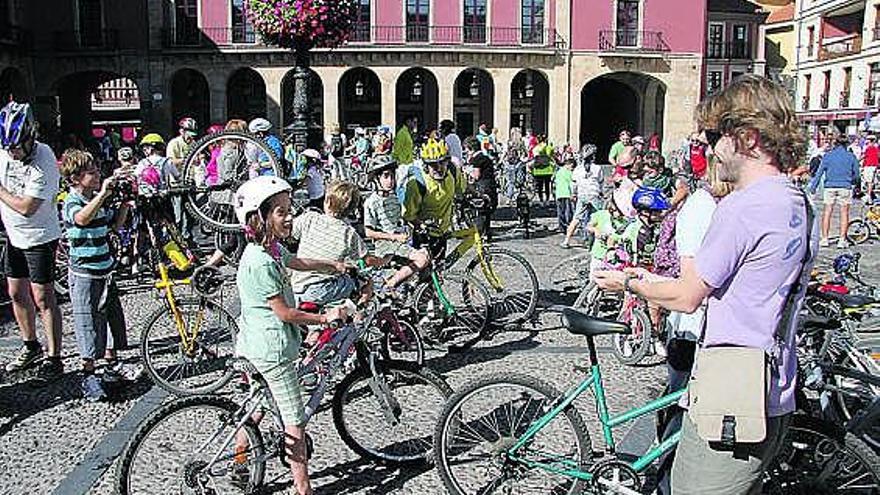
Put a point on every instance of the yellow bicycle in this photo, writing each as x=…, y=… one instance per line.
x=510, y=279
x=188, y=342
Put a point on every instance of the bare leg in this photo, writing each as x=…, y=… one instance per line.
x=844, y=220
x=23, y=307
x=50, y=314
x=826, y=220
x=299, y=463
x=419, y=259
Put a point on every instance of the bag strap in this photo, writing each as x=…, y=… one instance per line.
x=801, y=281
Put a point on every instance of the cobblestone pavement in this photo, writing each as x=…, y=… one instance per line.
x=52, y=441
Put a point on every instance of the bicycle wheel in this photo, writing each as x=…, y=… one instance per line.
x=201, y=369
x=171, y=450
x=511, y=281
x=390, y=418
x=241, y=154
x=630, y=349
x=223, y=239
x=481, y=422
x=62, y=259
x=858, y=231
x=818, y=457
x=570, y=273
x=466, y=324
x=402, y=342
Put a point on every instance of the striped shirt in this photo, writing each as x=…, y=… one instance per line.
x=89, y=251
x=383, y=213
x=325, y=238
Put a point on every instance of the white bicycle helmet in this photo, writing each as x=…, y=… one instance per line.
x=251, y=195
x=259, y=124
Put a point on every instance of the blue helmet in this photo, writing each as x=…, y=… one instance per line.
x=16, y=124
x=650, y=199
x=844, y=263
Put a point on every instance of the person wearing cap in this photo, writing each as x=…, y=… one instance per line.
x=383, y=221
x=638, y=143
x=262, y=128
x=179, y=147
x=870, y=161
x=314, y=178
x=269, y=335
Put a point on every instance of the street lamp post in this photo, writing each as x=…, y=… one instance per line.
x=301, y=93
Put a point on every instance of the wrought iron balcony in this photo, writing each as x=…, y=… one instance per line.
x=805, y=102
x=823, y=100
x=870, y=98
x=456, y=35
x=840, y=48
x=876, y=33
x=93, y=40
x=844, y=98
x=732, y=50
x=632, y=40
x=209, y=37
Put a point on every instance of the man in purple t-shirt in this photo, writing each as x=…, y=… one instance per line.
x=749, y=259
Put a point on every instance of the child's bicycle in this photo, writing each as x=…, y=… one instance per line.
x=383, y=410
x=186, y=344
x=862, y=229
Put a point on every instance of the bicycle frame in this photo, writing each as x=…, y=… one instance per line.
x=471, y=238
x=593, y=382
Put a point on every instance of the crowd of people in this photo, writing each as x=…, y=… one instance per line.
x=708, y=237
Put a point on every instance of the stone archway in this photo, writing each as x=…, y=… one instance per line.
x=245, y=95
x=107, y=99
x=530, y=101
x=474, y=101
x=190, y=97
x=360, y=99
x=621, y=100
x=417, y=94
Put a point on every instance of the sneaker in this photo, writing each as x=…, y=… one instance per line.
x=92, y=389
x=564, y=245
x=25, y=359
x=50, y=370
x=842, y=244
x=119, y=372
x=823, y=243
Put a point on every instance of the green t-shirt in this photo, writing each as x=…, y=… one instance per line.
x=563, y=183
x=262, y=335
x=607, y=227
x=402, y=150
x=616, y=149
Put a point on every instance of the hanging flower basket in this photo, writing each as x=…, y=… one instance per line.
x=303, y=24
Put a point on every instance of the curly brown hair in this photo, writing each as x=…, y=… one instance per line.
x=756, y=103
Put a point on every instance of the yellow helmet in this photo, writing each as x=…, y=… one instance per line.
x=434, y=151
x=152, y=139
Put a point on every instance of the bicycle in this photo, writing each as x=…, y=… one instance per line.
x=187, y=342
x=509, y=277
x=497, y=434
x=390, y=392
x=860, y=230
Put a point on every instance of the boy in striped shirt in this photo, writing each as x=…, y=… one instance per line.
x=93, y=294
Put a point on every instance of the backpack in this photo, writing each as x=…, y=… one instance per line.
x=415, y=172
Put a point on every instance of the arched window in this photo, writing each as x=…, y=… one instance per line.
x=417, y=15
x=474, y=21
x=533, y=22
x=361, y=28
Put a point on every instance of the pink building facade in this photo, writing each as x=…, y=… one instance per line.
x=575, y=70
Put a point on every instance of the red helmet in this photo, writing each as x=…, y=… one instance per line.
x=216, y=128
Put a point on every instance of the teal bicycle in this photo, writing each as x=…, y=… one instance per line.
x=515, y=434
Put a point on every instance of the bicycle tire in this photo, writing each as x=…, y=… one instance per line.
x=858, y=231
x=225, y=373
x=220, y=238
x=816, y=455
x=223, y=218
x=470, y=321
x=62, y=259
x=451, y=422
x=639, y=343
x=510, y=306
x=199, y=403
x=411, y=349
x=420, y=408
x=567, y=274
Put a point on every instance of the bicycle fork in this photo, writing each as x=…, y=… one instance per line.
x=378, y=384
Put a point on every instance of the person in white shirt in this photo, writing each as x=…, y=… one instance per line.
x=29, y=184
x=453, y=142
x=586, y=180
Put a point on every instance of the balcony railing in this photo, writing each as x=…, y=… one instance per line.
x=210, y=37
x=632, y=40
x=805, y=102
x=823, y=100
x=730, y=50
x=844, y=98
x=14, y=36
x=870, y=98
x=876, y=33
x=97, y=40
x=840, y=48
